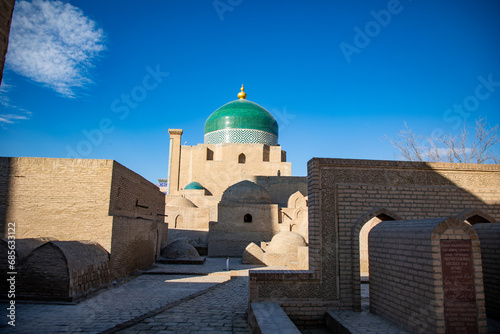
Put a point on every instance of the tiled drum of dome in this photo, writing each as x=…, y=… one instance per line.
x=241, y=136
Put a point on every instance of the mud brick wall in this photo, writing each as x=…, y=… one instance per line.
x=489, y=236
x=134, y=196
x=406, y=276
x=136, y=244
x=67, y=199
x=344, y=195
x=91, y=278
x=81, y=199
x=64, y=270
x=44, y=275
x=6, y=9
x=139, y=231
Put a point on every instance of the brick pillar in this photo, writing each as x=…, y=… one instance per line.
x=174, y=161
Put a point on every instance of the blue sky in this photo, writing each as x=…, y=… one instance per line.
x=107, y=79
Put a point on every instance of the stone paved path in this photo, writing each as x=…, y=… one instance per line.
x=220, y=310
x=109, y=308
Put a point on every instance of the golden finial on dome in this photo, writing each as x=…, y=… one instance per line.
x=242, y=95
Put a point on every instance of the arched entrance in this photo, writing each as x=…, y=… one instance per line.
x=178, y=222
x=360, y=251
x=363, y=244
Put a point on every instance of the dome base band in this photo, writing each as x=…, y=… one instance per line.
x=241, y=136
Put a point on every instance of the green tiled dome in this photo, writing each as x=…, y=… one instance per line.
x=194, y=185
x=241, y=114
x=241, y=121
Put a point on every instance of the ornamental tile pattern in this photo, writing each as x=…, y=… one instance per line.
x=241, y=136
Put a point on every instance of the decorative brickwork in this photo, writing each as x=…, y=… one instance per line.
x=343, y=194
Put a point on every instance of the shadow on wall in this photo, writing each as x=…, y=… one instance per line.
x=57, y=270
x=197, y=238
x=344, y=195
x=281, y=188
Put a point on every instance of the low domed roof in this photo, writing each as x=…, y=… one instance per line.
x=181, y=202
x=180, y=249
x=286, y=243
x=193, y=186
x=246, y=192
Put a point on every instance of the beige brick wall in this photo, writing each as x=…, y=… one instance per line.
x=6, y=9
x=224, y=170
x=80, y=199
x=63, y=270
x=344, y=195
x=406, y=279
x=229, y=236
x=133, y=196
x=136, y=244
x=280, y=188
x=67, y=199
x=187, y=218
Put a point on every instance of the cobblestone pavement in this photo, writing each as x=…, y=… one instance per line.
x=220, y=310
x=123, y=303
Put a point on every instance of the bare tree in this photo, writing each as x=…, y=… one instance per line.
x=477, y=146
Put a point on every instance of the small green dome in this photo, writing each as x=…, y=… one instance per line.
x=194, y=185
x=241, y=121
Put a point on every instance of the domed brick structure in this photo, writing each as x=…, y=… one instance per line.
x=240, y=142
x=240, y=174
x=285, y=249
x=246, y=192
x=64, y=270
x=180, y=249
x=245, y=214
x=286, y=243
x=181, y=252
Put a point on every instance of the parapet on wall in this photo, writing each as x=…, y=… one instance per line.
x=346, y=194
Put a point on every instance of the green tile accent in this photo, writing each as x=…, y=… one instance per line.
x=241, y=114
x=194, y=185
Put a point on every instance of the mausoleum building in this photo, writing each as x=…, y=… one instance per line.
x=240, y=144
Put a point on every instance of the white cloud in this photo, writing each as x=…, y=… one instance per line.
x=10, y=118
x=53, y=43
